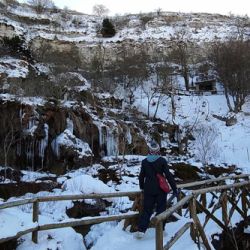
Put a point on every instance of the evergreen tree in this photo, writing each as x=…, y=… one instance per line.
x=108, y=29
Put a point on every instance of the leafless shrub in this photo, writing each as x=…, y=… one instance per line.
x=41, y=5
x=100, y=10
x=232, y=63
x=145, y=19
x=206, y=147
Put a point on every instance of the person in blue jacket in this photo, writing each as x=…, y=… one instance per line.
x=148, y=182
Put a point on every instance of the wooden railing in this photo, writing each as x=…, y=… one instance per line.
x=191, y=199
x=195, y=204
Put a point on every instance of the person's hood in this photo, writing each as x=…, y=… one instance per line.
x=152, y=158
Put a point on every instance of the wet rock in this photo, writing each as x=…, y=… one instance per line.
x=11, y=174
x=8, y=190
x=186, y=172
x=107, y=175
x=82, y=209
x=9, y=245
x=234, y=238
x=231, y=121
x=218, y=171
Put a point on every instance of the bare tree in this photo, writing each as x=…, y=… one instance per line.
x=9, y=2
x=242, y=24
x=97, y=68
x=164, y=84
x=205, y=137
x=100, y=10
x=159, y=11
x=41, y=5
x=10, y=138
x=232, y=63
x=180, y=53
x=129, y=71
x=150, y=91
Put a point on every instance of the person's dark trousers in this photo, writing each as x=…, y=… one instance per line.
x=148, y=207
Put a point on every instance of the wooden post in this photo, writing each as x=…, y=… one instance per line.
x=198, y=224
x=177, y=235
x=204, y=200
x=180, y=196
x=193, y=229
x=159, y=236
x=137, y=206
x=224, y=209
x=244, y=202
x=35, y=219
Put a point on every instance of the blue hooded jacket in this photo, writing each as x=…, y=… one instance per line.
x=150, y=166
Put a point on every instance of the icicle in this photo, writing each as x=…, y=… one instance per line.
x=55, y=147
x=102, y=136
x=112, y=142
x=19, y=143
x=128, y=136
x=43, y=143
x=30, y=152
x=70, y=125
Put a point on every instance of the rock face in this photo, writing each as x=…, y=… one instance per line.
x=7, y=30
x=56, y=138
x=237, y=237
x=62, y=53
x=29, y=136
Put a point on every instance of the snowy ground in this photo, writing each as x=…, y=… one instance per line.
x=232, y=143
x=106, y=236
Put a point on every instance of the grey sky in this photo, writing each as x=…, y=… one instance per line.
x=239, y=7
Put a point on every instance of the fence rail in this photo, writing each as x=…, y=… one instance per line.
x=196, y=228
x=191, y=199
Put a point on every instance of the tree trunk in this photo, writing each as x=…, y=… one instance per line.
x=227, y=98
x=157, y=107
x=185, y=75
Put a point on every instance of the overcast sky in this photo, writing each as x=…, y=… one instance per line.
x=239, y=7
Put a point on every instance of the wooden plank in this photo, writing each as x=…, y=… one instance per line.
x=193, y=228
x=219, y=188
x=236, y=207
x=87, y=196
x=108, y=195
x=177, y=235
x=224, y=209
x=203, y=235
x=198, y=183
x=179, y=198
x=248, y=203
x=88, y=221
x=35, y=219
x=198, y=224
x=17, y=203
x=207, y=217
x=233, y=208
x=244, y=203
x=210, y=216
x=159, y=236
x=204, y=200
x=19, y=234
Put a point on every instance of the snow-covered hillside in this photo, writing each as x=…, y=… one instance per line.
x=77, y=139
x=77, y=27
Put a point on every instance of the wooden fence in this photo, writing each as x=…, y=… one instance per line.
x=196, y=199
x=197, y=202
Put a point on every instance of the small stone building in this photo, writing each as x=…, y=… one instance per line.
x=205, y=83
